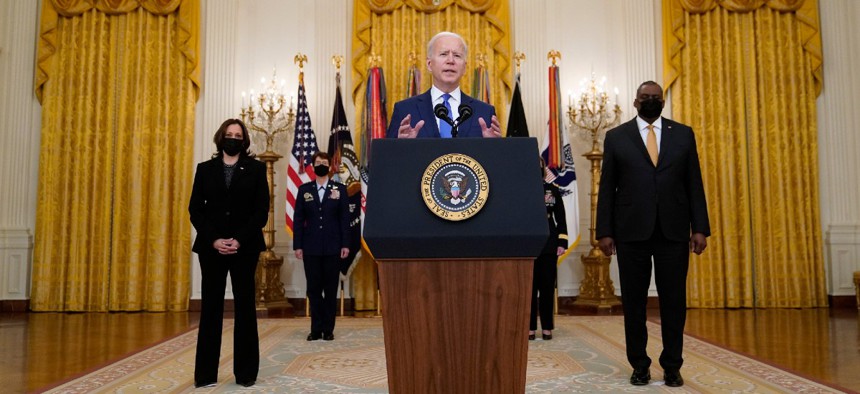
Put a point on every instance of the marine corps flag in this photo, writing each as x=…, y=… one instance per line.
x=517, y=125
x=344, y=164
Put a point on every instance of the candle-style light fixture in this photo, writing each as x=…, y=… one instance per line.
x=268, y=115
x=591, y=114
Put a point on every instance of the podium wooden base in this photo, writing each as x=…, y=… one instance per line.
x=456, y=326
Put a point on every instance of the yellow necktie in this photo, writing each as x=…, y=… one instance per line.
x=651, y=144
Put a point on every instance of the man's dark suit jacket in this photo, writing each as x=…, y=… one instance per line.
x=240, y=211
x=633, y=193
x=321, y=229
x=421, y=108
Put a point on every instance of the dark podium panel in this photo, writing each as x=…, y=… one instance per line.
x=456, y=294
x=512, y=223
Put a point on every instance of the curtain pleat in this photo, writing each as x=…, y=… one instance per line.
x=118, y=100
x=745, y=76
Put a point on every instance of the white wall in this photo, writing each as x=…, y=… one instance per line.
x=19, y=132
x=244, y=39
x=839, y=143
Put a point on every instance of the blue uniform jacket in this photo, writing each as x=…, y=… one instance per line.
x=321, y=228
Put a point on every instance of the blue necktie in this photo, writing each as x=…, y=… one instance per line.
x=444, y=127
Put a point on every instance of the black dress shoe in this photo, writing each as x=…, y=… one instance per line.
x=531, y=337
x=546, y=337
x=673, y=378
x=198, y=385
x=246, y=383
x=313, y=336
x=640, y=377
x=328, y=336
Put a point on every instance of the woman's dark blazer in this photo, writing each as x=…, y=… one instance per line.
x=240, y=211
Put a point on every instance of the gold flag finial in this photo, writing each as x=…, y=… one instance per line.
x=482, y=60
x=553, y=55
x=337, y=60
x=413, y=58
x=518, y=59
x=300, y=59
x=374, y=60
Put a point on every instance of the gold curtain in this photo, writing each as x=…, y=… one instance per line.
x=394, y=28
x=118, y=82
x=745, y=75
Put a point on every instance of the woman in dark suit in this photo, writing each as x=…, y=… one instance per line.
x=229, y=207
x=321, y=239
x=546, y=265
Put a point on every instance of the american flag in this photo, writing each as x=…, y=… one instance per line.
x=304, y=146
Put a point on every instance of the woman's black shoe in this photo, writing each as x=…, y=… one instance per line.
x=531, y=337
x=546, y=337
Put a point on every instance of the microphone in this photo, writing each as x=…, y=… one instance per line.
x=442, y=113
x=465, y=113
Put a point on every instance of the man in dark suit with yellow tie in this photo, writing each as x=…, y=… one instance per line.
x=651, y=204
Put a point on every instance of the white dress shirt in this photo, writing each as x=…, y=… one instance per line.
x=643, y=130
x=454, y=102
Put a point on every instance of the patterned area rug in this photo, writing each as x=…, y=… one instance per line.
x=586, y=355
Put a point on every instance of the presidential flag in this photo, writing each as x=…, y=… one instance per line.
x=301, y=169
x=344, y=164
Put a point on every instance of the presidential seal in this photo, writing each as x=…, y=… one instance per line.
x=455, y=187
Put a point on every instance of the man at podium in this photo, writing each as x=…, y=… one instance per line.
x=444, y=111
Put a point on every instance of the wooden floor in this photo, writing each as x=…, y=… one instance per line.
x=42, y=349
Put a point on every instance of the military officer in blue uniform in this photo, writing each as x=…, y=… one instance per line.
x=320, y=240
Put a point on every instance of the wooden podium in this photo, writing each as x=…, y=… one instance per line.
x=455, y=294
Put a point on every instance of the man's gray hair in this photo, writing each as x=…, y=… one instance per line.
x=447, y=34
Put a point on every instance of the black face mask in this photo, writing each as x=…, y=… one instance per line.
x=231, y=146
x=321, y=170
x=650, y=109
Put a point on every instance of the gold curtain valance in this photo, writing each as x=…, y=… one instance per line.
x=187, y=41
x=70, y=8
x=702, y=6
x=430, y=6
x=674, y=23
